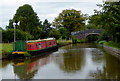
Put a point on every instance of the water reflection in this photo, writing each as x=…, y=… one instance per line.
x=75, y=61
x=27, y=68
x=72, y=60
x=97, y=56
x=5, y=63
x=110, y=70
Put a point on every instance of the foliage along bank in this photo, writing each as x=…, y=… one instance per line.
x=30, y=25
x=108, y=19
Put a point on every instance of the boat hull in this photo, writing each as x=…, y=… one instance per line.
x=39, y=52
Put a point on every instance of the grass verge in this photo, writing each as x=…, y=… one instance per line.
x=6, y=49
x=112, y=44
x=78, y=41
x=62, y=42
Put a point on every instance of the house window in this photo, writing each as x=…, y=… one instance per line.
x=49, y=43
x=40, y=45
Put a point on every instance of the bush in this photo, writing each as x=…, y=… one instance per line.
x=104, y=36
x=62, y=42
x=8, y=35
x=78, y=41
x=101, y=42
x=74, y=40
x=64, y=33
x=54, y=33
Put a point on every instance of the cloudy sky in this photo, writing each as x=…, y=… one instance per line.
x=45, y=9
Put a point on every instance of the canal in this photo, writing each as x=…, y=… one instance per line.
x=75, y=61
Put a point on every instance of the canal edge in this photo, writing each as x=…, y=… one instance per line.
x=113, y=51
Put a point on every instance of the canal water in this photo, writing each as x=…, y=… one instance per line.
x=75, y=61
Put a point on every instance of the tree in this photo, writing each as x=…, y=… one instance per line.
x=46, y=25
x=8, y=35
x=38, y=33
x=96, y=20
x=108, y=19
x=1, y=34
x=71, y=19
x=29, y=21
x=54, y=33
x=46, y=29
x=111, y=14
x=64, y=33
x=10, y=24
x=90, y=26
x=1, y=28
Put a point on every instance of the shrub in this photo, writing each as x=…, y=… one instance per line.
x=54, y=33
x=78, y=41
x=101, y=42
x=8, y=35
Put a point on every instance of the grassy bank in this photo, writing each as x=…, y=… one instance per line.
x=64, y=42
x=112, y=44
x=79, y=41
x=6, y=49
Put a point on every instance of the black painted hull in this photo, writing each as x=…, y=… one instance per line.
x=40, y=52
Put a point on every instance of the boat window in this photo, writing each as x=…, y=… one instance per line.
x=40, y=45
x=50, y=43
x=30, y=46
x=53, y=42
x=36, y=45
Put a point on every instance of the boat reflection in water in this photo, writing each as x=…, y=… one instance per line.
x=27, y=68
x=76, y=61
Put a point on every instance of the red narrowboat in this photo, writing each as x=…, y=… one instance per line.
x=34, y=46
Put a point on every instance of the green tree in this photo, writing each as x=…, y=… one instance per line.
x=71, y=19
x=38, y=33
x=64, y=33
x=8, y=35
x=54, y=33
x=90, y=26
x=10, y=24
x=29, y=21
x=111, y=14
x=104, y=36
x=109, y=19
x=96, y=20
x=1, y=34
x=1, y=28
x=46, y=29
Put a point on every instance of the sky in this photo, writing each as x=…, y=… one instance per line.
x=45, y=9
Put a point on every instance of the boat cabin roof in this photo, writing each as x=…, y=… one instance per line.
x=39, y=40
